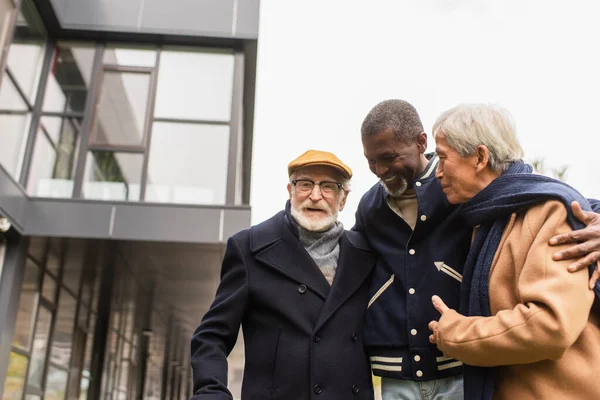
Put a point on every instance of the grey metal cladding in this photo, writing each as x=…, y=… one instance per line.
x=172, y=224
x=102, y=14
x=189, y=17
x=235, y=221
x=247, y=19
x=212, y=18
x=13, y=200
x=47, y=217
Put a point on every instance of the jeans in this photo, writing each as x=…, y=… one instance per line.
x=439, y=389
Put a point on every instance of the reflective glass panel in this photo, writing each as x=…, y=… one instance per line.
x=7, y=9
x=30, y=290
x=15, y=377
x=194, y=85
x=130, y=57
x=121, y=111
x=13, y=129
x=54, y=256
x=52, y=165
x=10, y=99
x=62, y=339
x=113, y=176
x=37, y=249
x=188, y=163
x=26, y=52
x=73, y=267
x=56, y=384
x=85, y=385
x=42, y=165
x=49, y=288
x=40, y=346
x=69, y=78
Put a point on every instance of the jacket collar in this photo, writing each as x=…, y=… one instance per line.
x=274, y=245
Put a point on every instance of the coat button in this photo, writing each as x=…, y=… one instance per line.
x=354, y=337
x=355, y=389
x=318, y=389
x=317, y=339
x=302, y=289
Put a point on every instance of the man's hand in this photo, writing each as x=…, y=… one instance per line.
x=433, y=325
x=588, y=239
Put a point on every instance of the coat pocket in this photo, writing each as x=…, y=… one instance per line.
x=276, y=342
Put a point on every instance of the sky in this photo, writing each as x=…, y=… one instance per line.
x=322, y=65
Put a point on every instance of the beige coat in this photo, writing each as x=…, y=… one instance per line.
x=541, y=334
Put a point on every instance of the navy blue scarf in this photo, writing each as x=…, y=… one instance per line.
x=516, y=189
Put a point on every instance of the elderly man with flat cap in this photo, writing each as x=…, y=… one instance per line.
x=298, y=286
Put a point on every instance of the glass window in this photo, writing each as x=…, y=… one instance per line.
x=37, y=249
x=56, y=384
x=130, y=57
x=73, y=267
x=53, y=158
x=42, y=165
x=26, y=52
x=7, y=9
x=30, y=290
x=188, y=163
x=14, y=138
x=62, y=340
x=194, y=85
x=15, y=376
x=40, y=346
x=69, y=78
x=25, y=63
x=113, y=176
x=89, y=344
x=49, y=288
x=54, y=255
x=121, y=110
x=10, y=98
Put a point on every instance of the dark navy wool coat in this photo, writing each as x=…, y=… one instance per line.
x=303, y=338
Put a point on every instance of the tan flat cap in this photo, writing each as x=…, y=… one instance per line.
x=318, y=157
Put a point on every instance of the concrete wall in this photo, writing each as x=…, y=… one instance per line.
x=213, y=18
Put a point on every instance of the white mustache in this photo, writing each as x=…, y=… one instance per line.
x=318, y=206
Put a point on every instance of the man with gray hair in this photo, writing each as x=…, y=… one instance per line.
x=526, y=331
x=423, y=243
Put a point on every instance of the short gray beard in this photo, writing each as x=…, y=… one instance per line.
x=313, y=226
x=398, y=192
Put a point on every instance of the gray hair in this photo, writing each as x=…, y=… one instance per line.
x=469, y=125
x=398, y=115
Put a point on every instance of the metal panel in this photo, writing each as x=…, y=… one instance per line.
x=172, y=224
x=196, y=17
x=68, y=218
x=103, y=14
x=13, y=200
x=247, y=19
x=60, y=6
x=233, y=222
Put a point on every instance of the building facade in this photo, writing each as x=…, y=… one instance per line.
x=125, y=153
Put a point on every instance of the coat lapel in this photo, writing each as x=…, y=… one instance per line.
x=288, y=257
x=354, y=266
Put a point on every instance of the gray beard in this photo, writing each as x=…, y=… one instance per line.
x=395, y=193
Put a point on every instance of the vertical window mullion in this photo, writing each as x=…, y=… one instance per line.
x=148, y=125
x=86, y=125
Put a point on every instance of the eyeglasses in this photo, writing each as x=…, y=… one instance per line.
x=327, y=187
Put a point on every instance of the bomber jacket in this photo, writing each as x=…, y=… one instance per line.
x=412, y=267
